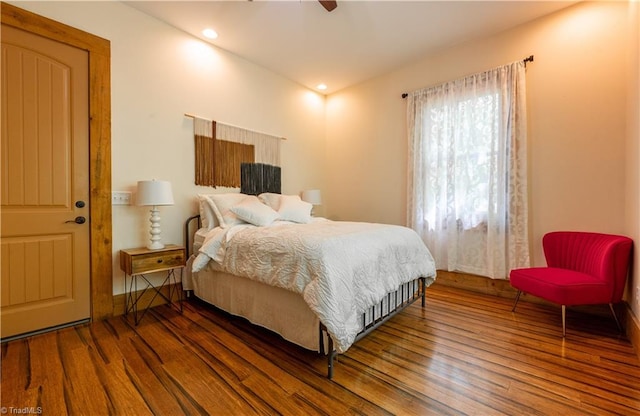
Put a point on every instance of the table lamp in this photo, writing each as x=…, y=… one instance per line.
x=312, y=196
x=153, y=193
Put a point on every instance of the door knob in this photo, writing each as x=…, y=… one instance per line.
x=80, y=204
x=78, y=220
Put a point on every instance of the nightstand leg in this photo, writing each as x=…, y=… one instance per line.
x=126, y=296
x=132, y=297
x=129, y=301
x=134, y=304
x=174, y=290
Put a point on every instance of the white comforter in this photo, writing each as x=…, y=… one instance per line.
x=340, y=268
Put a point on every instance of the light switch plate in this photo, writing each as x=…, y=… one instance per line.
x=120, y=198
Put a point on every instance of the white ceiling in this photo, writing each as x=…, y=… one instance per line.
x=357, y=41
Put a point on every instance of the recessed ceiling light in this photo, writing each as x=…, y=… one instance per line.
x=210, y=34
x=321, y=87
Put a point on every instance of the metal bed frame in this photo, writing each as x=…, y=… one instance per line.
x=409, y=293
x=404, y=296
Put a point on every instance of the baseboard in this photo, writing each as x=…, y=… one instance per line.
x=496, y=287
x=119, y=300
x=475, y=283
x=632, y=328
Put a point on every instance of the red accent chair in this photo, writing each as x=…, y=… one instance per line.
x=582, y=269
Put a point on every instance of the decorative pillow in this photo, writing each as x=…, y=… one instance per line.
x=270, y=199
x=222, y=204
x=255, y=212
x=292, y=208
x=207, y=215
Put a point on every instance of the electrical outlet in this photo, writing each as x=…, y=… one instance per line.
x=121, y=198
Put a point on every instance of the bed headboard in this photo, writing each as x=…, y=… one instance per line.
x=188, y=233
x=257, y=178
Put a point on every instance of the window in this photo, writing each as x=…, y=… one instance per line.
x=467, y=195
x=471, y=153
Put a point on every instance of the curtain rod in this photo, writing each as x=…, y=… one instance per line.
x=231, y=125
x=525, y=60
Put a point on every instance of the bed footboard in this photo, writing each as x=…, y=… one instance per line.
x=406, y=295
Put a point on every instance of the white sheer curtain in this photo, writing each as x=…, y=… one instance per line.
x=467, y=193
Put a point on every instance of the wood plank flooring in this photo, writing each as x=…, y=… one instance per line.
x=464, y=353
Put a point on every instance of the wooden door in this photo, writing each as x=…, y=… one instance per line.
x=45, y=258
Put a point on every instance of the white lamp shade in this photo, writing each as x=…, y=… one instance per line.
x=312, y=196
x=154, y=193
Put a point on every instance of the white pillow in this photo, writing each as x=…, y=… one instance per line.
x=292, y=208
x=222, y=204
x=255, y=212
x=207, y=215
x=270, y=199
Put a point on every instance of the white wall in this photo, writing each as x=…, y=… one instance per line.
x=584, y=140
x=158, y=73
x=584, y=126
x=633, y=154
x=577, y=106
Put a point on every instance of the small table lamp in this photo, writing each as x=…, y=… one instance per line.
x=153, y=193
x=312, y=196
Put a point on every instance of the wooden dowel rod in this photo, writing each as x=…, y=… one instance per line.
x=231, y=125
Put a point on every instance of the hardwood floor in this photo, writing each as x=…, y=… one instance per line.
x=464, y=353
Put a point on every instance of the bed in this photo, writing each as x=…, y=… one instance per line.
x=318, y=283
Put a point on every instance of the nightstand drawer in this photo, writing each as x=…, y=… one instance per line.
x=149, y=262
x=145, y=261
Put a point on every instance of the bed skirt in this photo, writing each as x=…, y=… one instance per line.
x=276, y=309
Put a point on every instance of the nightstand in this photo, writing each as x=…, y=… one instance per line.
x=137, y=263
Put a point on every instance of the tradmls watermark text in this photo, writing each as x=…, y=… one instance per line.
x=27, y=410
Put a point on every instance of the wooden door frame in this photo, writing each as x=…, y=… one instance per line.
x=99, y=50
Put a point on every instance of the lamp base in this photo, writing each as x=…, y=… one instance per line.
x=155, y=246
x=154, y=231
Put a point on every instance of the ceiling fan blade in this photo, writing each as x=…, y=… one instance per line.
x=329, y=5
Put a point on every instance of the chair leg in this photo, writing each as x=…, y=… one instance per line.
x=615, y=317
x=564, y=315
x=516, y=302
